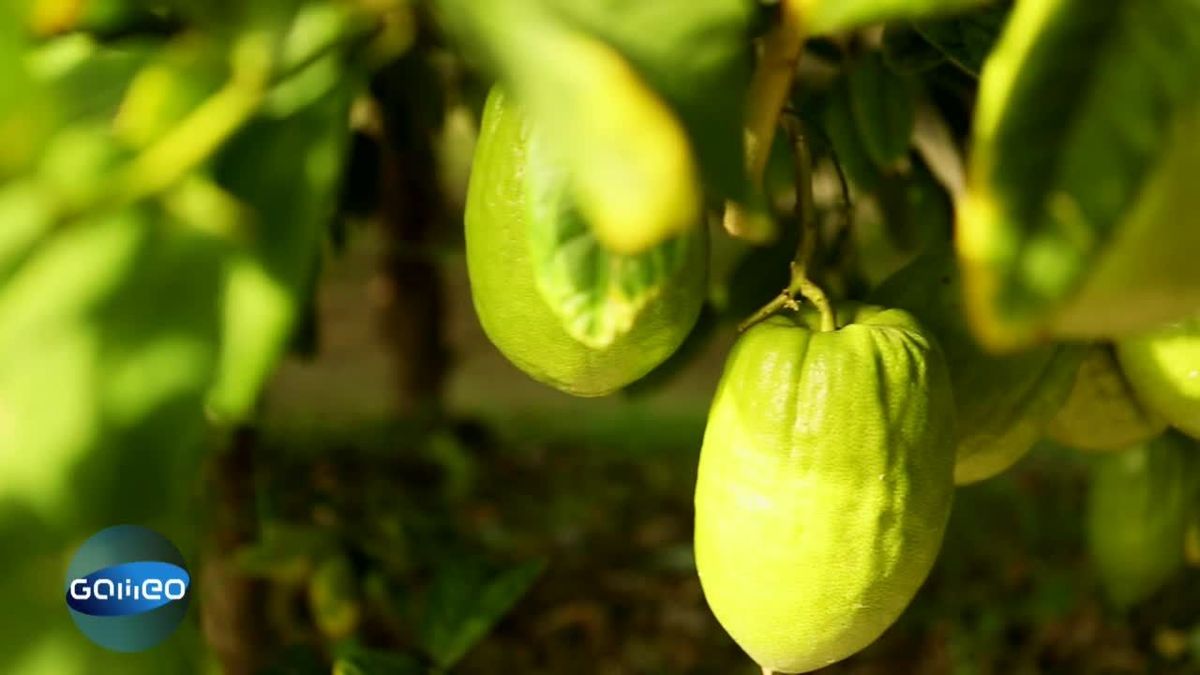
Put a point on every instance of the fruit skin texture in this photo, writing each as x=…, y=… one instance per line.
x=825, y=483
x=1102, y=413
x=504, y=289
x=1004, y=402
x=1139, y=508
x=1164, y=369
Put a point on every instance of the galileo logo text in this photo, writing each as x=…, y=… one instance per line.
x=127, y=588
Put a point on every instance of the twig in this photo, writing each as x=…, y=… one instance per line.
x=769, y=89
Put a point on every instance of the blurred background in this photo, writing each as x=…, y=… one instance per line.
x=234, y=308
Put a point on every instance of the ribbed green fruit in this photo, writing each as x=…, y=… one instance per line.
x=511, y=308
x=825, y=483
x=1102, y=413
x=1164, y=369
x=1003, y=402
x=1139, y=508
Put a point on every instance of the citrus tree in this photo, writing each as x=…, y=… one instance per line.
x=959, y=227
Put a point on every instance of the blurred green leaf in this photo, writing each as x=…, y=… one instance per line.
x=846, y=141
x=598, y=295
x=297, y=660
x=917, y=210
x=1079, y=219
x=906, y=51
x=106, y=19
x=966, y=40
x=285, y=553
x=638, y=94
x=24, y=110
x=315, y=70
x=693, y=52
x=232, y=16
x=168, y=87
x=26, y=211
x=334, y=598
x=358, y=660
x=467, y=598
x=87, y=79
x=883, y=105
x=833, y=16
x=104, y=380
x=286, y=171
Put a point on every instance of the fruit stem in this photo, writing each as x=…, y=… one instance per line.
x=800, y=282
x=806, y=215
x=767, y=671
x=769, y=88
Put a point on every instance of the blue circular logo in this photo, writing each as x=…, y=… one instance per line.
x=127, y=588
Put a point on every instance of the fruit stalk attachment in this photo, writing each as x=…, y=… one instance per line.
x=800, y=282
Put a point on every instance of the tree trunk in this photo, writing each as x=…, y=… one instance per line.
x=411, y=209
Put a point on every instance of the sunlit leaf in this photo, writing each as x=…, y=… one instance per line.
x=286, y=172
x=641, y=101
x=107, y=379
x=1079, y=220
x=832, y=16
x=597, y=294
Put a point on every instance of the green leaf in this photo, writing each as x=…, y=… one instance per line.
x=966, y=40
x=358, y=660
x=837, y=121
x=597, y=294
x=107, y=340
x=25, y=109
x=334, y=598
x=637, y=97
x=1078, y=219
x=466, y=600
x=695, y=54
x=286, y=172
x=165, y=90
x=834, y=16
x=26, y=211
x=906, y=51
x=882, y=103
x=285, y=553
x=917, y=211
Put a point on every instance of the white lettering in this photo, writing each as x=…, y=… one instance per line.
x=152, y=589
x=96, y=589
x=167, y=589
x=77, y=593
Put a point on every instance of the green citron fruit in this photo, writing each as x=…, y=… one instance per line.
x=511, y=299
x=1139, y=509
x=1102, y=412
x=825, y=483
x=1004, y=402
x=1164, y=369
